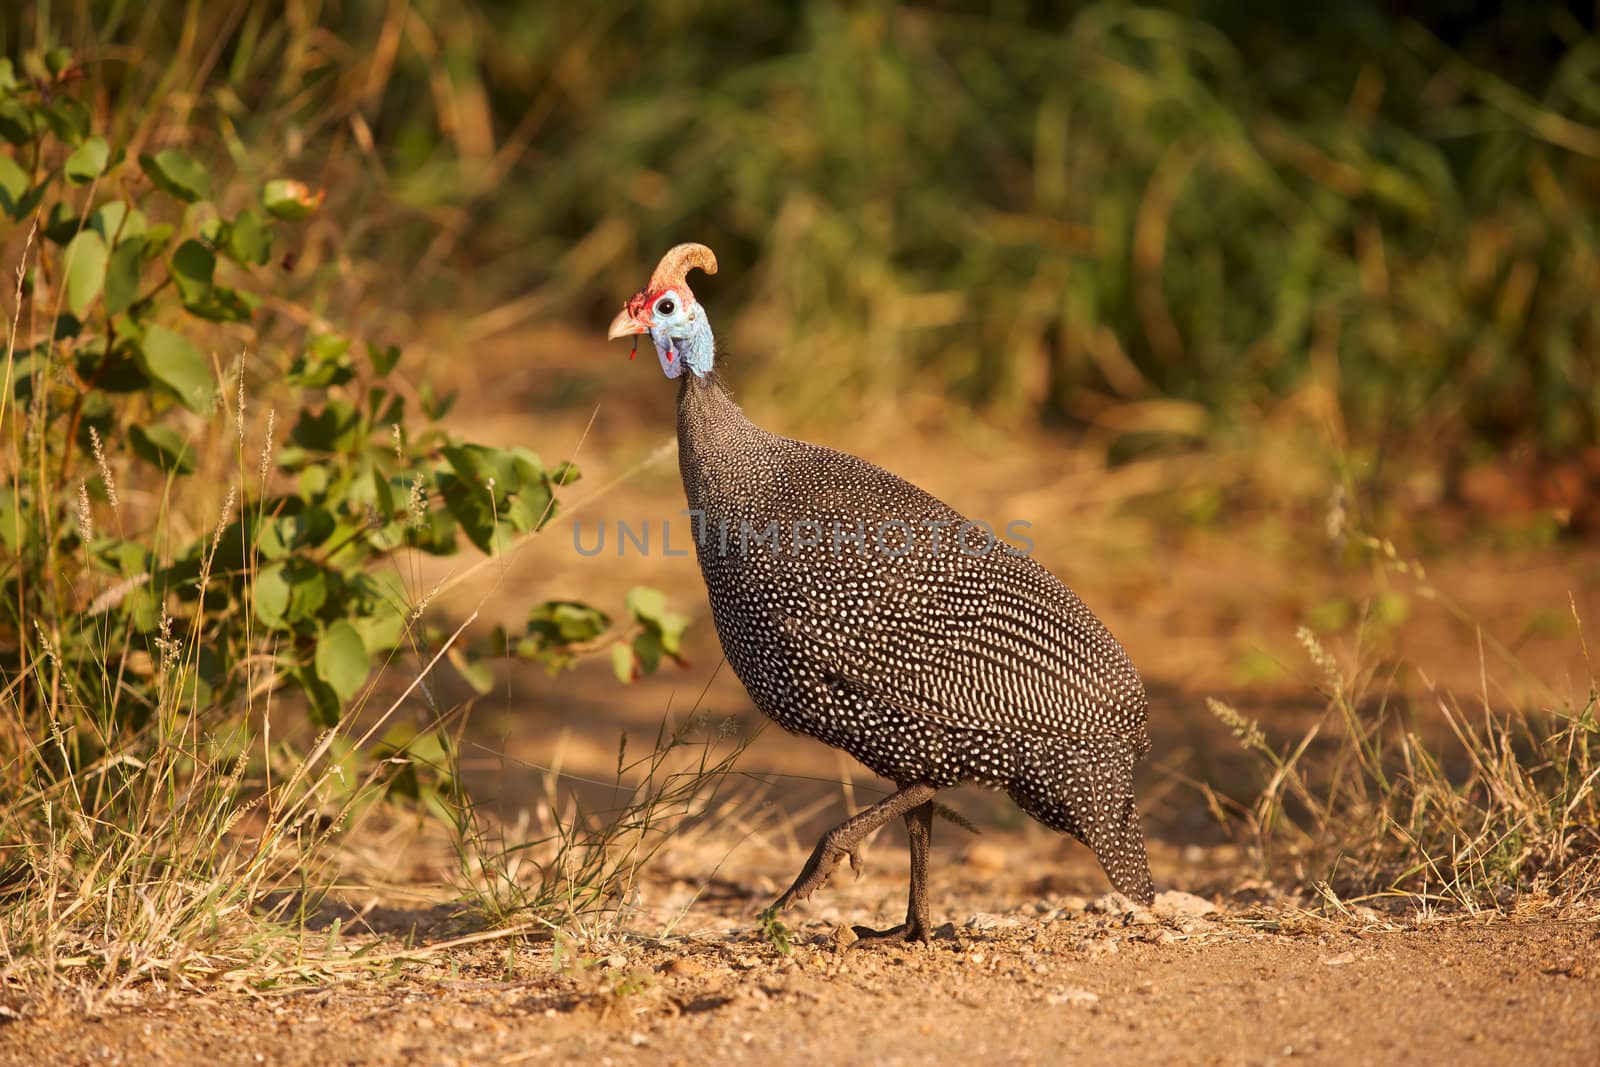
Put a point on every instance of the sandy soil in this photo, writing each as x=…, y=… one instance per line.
x=1060, y=979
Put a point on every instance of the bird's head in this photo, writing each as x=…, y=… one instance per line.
x=667, y=311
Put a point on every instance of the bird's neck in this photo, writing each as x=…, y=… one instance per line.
x=712, y=429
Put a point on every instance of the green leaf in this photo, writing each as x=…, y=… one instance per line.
x=479, y=464
x=663, y=629
x=163, y=447
x=477, y=512
x=556, y=623
x=193, y=266
x=224, y=304
x=382, y=493
x=382, y=630
x=323, y=363
x=106, y=220
x=178, y=174
x=156, y=238
x=645, y=604
x=13, y=185
x=88, y=161
x=290, y=200
x=17, y=122
x=119, y=372
x=334, y=428
x=386, y=409
x=383, y=359
x=313, y=481
x=622, y=664
x=325, y=703
x=249, y=240
x=122, y=275
x=175, y=363
x=308, y=589
x=269, y=595
x=68, y=119
x=280, y=536
x=329, y=346
x=647, y=650
x=531, y=506
x=342, y=659
x=434, y=406
x=61, y=225
x=475, y=673
x=85, y=260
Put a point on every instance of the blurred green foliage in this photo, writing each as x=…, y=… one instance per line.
x=131, y=588
x=1052, y=210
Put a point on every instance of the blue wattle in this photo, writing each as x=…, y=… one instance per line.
x=688, y=344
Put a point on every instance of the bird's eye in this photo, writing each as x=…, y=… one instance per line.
x=666, y=307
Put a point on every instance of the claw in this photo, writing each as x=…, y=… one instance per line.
x=905, y=933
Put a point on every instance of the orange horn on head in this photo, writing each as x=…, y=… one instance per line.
x=672, y=271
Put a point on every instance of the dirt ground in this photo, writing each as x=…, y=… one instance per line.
x=1053, y=978
x=1032, y=964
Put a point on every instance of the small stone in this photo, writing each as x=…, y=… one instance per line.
x=1111, y=904
x=945, y=932
x=1092, y=947
x=843, y=937
x=983, y=921
x=1176, y=904
x=1340, y=960
x=683, y=966
x=1076, y=997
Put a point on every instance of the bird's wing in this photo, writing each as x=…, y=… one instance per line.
x=988, y=642
x=986, y=639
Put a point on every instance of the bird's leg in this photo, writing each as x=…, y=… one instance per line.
x=919, y=829
x=844, y=840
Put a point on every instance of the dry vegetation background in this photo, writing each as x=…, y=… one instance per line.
x=1281, y=328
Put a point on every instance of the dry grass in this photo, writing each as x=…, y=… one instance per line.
x=1452, y=806
x=569, y=868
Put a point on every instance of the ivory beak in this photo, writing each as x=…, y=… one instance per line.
x=624, y=325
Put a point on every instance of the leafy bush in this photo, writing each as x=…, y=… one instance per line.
x=212, y=498
x=171, y=546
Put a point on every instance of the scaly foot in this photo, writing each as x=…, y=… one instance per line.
x=904, y=934
x=825, y=859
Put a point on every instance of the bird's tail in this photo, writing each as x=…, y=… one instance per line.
x=1085, y=788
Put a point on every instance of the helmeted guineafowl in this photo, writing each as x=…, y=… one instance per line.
x=859, y=610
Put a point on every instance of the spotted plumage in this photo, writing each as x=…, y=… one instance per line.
x=858, y=609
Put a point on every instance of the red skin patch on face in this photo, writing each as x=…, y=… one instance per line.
x=638, y=308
